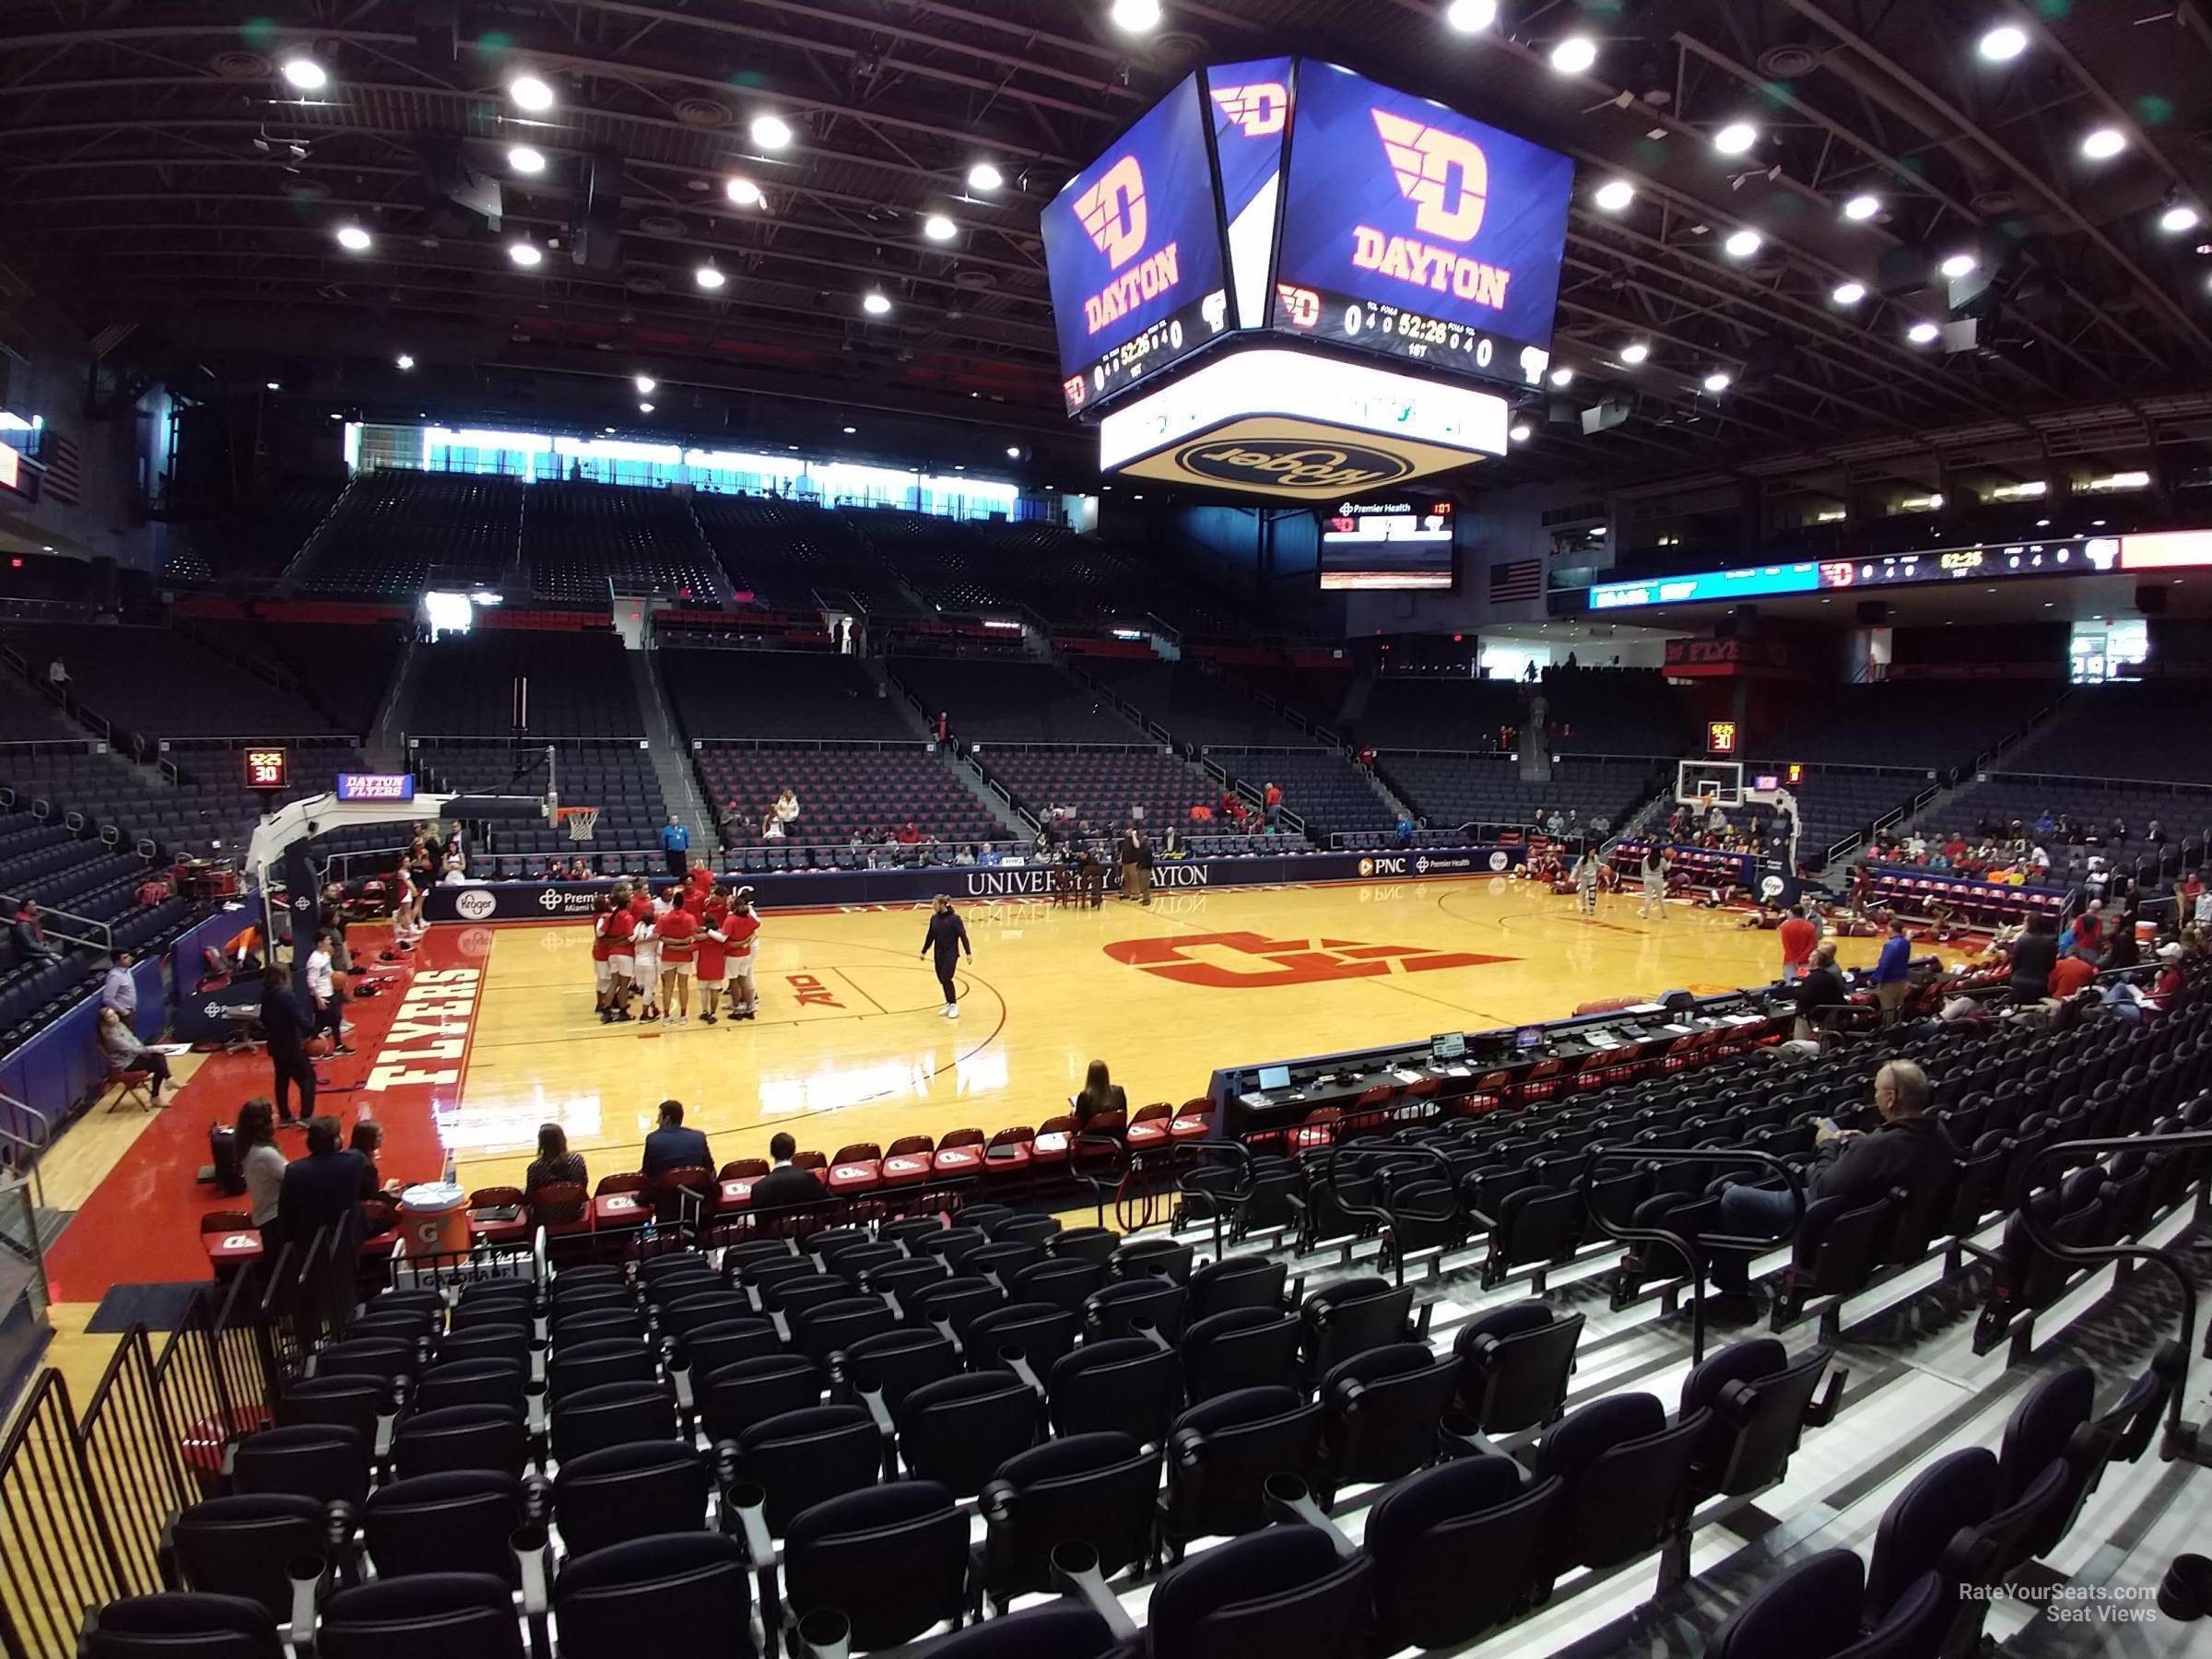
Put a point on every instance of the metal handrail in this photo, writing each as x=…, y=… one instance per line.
x=2180, y=1436
x=1675, y=1242
x=1248, y=1171
x=1380, y=1212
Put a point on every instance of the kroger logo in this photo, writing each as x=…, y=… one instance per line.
x=474, y=904
x=1498, y=861
x=1292, y=463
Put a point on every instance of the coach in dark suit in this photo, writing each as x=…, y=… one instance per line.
x=785, y=1186
x=322, y=1189
x=673, y=1147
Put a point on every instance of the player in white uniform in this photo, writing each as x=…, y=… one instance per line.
x=646, y=945
x=1585, y=881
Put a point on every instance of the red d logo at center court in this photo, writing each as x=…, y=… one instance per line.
x=1196, y=959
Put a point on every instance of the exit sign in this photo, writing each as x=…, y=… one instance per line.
x=264, y=769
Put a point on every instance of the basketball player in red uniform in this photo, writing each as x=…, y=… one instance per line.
x=713, y=959
x=740, y=931
x=680, y=944
x=620, y=930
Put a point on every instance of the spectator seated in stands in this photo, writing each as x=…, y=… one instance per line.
x=1906, y=1151
x=124, y=1053
x=32, y=944
x=785, y=1186
x=555, y=1165
x=673, y=1147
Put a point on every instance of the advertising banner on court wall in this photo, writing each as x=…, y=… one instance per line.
x=573, y=900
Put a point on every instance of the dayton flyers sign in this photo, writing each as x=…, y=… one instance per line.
x=1132, y=250
x=1410, y=223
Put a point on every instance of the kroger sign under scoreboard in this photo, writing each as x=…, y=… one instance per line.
x=1286, y=204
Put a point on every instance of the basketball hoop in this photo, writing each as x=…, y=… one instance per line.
x=582, y=821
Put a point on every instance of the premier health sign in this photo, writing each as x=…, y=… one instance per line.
x=1290, y=281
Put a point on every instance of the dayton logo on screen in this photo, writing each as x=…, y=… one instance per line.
x=1112, y=212
x=1260, y=110
x=1447, y=179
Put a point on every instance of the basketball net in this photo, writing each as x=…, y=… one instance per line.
x=582, y=821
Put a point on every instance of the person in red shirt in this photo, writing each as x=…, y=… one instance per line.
x=1271, y=799
x=698, y=885
x=909, y=835
x=603, y=949
x=620, y=930
x=2070, y=973
x=714, y=963
x=2089, y=932
x=740, y=932
x=1798, y=938
x=678, y=929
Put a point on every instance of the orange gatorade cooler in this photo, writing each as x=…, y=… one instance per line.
x=434, y=1219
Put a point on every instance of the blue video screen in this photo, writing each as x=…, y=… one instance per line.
x=1251, y=125
x=1132, y=253
x=1418, y=232
x=1705, y=586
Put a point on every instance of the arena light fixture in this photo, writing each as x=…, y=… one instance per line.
x=302, y=73
x=1634, y=352
x=1736, y=138
x=877, y=303
x=1471, y=17
x=1862, y=207
x=1848, y=293
x=524, y=159
x=1719, y=381
x=1922, y=333
x=2178, y=217
x=1742, y=244
x=1615, y=195
x=526, y=254
x=530, y=93
x=1575, y=54
x=984, y=177
x=1959, y=265
x=645, y=384
x=1522, y=431
x=405, y=361
x=273, y=386
x=743, y=192
x=2003, y=43
x=771, y=131
x=643, y=408
x=850, y=430
x=939, y=228
x=355, y=240
x=1013, y=452
x=709, y=276
x=1135, y=16
x=1562, y=376
x=2104, y=143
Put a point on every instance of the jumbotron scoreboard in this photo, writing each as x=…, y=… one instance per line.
x=1287, y=279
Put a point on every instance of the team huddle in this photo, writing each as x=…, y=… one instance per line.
x=655, y=946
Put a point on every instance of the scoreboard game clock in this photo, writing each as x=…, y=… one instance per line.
x=264, y=769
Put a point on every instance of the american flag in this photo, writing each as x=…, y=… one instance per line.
x=63, y=481
x=1516, y=581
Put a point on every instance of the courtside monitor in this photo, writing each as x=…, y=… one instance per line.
x=1528, y=1037
x=1404, y=542
x=1275, y=1077
x=1448, y=1045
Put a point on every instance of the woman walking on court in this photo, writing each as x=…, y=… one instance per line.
x=947, y=937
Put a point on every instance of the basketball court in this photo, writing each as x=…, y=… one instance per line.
x=486, y=1033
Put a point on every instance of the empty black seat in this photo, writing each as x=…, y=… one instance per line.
x=1221, y=1453
x=892, y=1560
x=630, y=1491
x=1283, y=1593
x=692, y=1591
x=1097, y=1489
x=457, y=1522
x=1514, y=1363
x=182, y=1624
x=1458, y=1549
x=456, y=1614
x=241, y=1545
x=1240, y=1347
x=1626, y=1474
x=1125, y=1384
x=1383, y=1407
x=958, y=1431
x=1760, y=1399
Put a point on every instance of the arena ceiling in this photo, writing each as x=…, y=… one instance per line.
x=161, y=175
